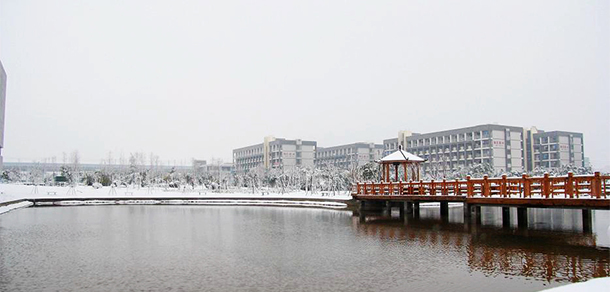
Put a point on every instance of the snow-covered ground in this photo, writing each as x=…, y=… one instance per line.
x=10, y=192
x=593, y=285
x=110, y=195
x=4, y=209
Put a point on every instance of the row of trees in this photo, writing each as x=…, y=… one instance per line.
x=322, y=179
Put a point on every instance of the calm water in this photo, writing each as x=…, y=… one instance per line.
x=177, y=248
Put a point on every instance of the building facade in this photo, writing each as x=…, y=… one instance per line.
x=275, y=153
x=446, y=151
x=2, y=105
x=349, y=156
x=555, y=149
x=505, y=148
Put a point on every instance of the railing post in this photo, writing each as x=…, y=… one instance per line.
x=432, y=188
x=469, y=188
x=503, y=186
x=526, y=186
x=486, y=188
x=546, y=185
x=444, y=188
x=400, y=190
x=421, y=187
x=456, y=187
x=569, y=185
x=596, y=186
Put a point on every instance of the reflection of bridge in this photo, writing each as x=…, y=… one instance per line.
x=583, y=192
x=550, y=256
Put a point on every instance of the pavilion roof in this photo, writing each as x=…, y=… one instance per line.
x=401, y=156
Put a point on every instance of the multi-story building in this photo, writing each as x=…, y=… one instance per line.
x=274, y=153
x=2, y=105
x=391, y=145
x=350, y=155
x=505, y=148
x=445, y=151
x=554, y=149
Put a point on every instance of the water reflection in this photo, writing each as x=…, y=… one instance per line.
x=214, y=248
x=541, y=252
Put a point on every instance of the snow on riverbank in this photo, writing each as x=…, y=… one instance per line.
x=4, y=209
x=11, y=192
x=593, y=285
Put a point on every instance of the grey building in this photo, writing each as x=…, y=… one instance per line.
x=390, y=146
x=349, y=155
x=275, y=153
x=554, y=149
x=500, y=146
x=2, y=105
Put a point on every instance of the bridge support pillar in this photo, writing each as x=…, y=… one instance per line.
x=387, y=210
x=416, y=209
x=506, y=217
x=522, y=217
x=409, y=207
x=401, y=209
x=466, y=211
x=444, y=209
x=373, y=206
x=587, y=221
x=477, y=213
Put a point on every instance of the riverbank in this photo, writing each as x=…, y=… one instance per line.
x=13, y=196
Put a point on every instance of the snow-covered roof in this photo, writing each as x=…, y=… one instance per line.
x=401, y=156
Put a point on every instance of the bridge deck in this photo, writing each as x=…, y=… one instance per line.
x=514, y=202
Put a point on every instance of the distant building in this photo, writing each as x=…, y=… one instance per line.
x=555, y=148
x=275, y=153
x=2, y=105
x=350, y=155
x=505, y=148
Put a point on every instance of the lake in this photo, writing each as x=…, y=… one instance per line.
x=225, y=248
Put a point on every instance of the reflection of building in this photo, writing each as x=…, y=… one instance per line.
x=2, y=105
x=275, y=153
x=505, y=148
x=350, y=155
x=554, y=149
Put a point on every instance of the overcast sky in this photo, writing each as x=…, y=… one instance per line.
x=196, y=79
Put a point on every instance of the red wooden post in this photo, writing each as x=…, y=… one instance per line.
x=456, y=188
x=421, y=188
x=469, y=188
x=596, y=186
x=526, y=186
x=406, y=172
x=387, y=172
x=569, y=185
x=503, y=186
x=432, y=188
x=411, y=187
x=400, y=190
x=485, y=186
x=546, y=185
x=396, y=172
x=444, y=188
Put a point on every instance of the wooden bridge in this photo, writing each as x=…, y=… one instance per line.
x=585, y=192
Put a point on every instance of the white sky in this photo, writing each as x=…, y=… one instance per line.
x=188, y=79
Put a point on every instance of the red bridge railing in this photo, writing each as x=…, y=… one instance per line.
x=570, y=186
